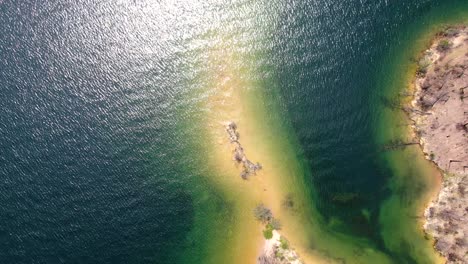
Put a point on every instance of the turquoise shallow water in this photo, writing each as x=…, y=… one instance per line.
x=97, y=160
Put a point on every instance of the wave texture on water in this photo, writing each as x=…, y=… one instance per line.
x=106, y=110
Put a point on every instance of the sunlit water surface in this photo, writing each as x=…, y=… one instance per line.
x=101, y=145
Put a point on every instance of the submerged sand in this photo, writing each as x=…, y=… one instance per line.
x=280, y=183
x=228, y=102
x=440, y=115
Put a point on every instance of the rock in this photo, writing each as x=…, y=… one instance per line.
x=457, y=71
x=442, y=245
x=443, y=131
x=426, y=84
x=437, y=84
x=428, y=101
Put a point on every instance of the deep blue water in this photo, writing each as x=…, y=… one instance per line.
x=91, y=170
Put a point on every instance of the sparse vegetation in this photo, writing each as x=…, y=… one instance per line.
x=275, y=223
x=279, y=255
x=444, y=45
x=268, y=232
x=461, y=126
x=280, y=251
x=284, y=243
x=451, y=32
x=423, y=65
x=262, y=213
x=432, y=156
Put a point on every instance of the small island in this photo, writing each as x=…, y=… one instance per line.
x=249, y=168
x=439, y=112
x=277, y=249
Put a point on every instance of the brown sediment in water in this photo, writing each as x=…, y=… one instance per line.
x=440, y=115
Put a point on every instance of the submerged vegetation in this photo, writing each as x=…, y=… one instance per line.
x=345, y=198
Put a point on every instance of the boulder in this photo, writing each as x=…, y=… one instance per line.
x=426, y=84
x=428, y=100
x=457, y=71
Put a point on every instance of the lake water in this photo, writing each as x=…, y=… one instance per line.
x=101, y=133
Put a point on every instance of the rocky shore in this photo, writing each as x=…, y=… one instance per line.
x=439, y=112
x=248, y=168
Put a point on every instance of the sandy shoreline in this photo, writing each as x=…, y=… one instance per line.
x=439, y=111
x=224, y=104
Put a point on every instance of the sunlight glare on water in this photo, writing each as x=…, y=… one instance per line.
x=102, y=110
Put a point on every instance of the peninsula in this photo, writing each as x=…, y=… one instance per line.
x=439, y=112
